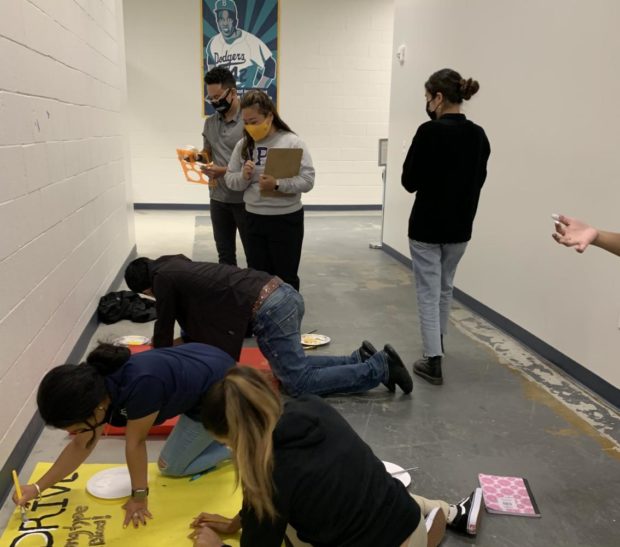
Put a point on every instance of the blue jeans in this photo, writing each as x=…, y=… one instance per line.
x=277, y=328
x=190, y=449
x=434, y=266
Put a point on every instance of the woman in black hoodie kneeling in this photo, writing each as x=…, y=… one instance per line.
x=306, y=475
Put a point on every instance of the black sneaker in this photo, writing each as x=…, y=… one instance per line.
x=429, y=368
x=398, y=375
x=468, y=514
x=366, y=350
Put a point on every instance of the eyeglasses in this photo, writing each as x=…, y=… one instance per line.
x=212, y=100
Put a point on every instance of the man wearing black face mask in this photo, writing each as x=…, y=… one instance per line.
x=221, y=132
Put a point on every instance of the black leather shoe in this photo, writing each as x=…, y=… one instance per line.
x=366, y=350
x=429, y=368
x=398, y=375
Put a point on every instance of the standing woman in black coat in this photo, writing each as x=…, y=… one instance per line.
x=446, y=167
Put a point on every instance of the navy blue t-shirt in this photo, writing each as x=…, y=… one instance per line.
x=170, y=381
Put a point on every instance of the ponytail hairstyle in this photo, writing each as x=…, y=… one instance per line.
x=265, y=106
x=69, y=394
x=451, y=85
x=107, y=358
x=244, y=409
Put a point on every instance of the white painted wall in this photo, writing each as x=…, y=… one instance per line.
x=65, y=209
x=549, y=88
x=334, y=81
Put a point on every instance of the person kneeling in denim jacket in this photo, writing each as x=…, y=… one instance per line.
x=215, y=303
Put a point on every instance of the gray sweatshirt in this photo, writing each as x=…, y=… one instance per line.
x=266, y=205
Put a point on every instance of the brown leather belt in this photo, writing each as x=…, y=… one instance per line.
x=265, y=293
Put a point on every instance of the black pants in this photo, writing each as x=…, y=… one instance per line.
x=226, y=219
x=274, y=244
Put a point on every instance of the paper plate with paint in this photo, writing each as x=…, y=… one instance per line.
x=398, y=473
x=314, y=340
x=132, y=340
x=110, y=484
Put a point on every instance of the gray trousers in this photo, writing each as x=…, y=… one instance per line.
x=434, y=266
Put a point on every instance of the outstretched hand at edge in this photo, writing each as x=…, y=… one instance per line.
x=571, y=232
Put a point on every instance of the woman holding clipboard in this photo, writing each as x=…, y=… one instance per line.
x=275, y=215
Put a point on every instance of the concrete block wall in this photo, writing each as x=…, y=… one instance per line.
x=334, y=72
x=66, y=220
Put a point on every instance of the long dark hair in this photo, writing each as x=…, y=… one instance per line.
x=451, y=85
x=69, y=394
x=244, y=409
x=265, y=106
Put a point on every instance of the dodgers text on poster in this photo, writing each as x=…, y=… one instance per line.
x=242, y=35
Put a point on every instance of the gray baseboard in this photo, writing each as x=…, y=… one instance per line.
x=586, y=377
x=205, y=207
x=26, y=442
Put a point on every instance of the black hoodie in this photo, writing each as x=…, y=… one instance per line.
x=330, y=486
x=211, y=302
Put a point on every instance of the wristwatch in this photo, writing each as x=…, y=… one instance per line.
x=140, y=493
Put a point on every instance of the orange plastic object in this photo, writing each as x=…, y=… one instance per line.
x=252, y=357
x=161, y=430
x=191, y=167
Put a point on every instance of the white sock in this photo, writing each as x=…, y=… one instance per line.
x=452, y=512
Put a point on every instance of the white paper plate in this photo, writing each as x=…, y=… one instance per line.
x=398, y=473
x=110, y=484
x=314, y=340
x=132, y=340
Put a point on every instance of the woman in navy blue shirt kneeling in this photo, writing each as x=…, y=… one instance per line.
x=136, y=391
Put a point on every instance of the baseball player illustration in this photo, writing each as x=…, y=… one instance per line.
x=244, y=54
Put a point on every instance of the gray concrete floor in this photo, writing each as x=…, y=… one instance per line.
x=488, y=417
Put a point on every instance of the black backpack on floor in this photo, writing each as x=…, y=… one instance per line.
x=119, y=305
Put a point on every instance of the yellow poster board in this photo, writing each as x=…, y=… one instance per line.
x=67, y=516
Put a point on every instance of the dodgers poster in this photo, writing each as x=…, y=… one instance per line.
x=241, y=35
